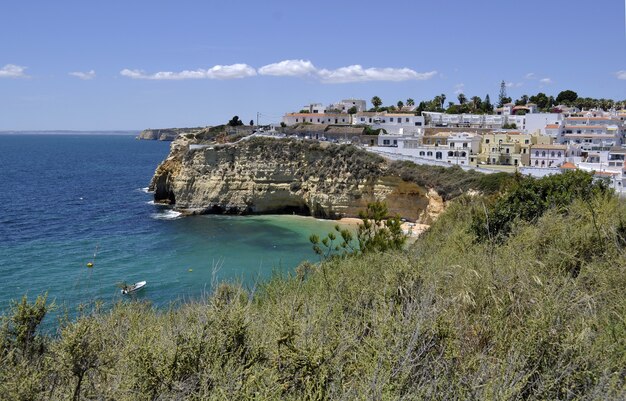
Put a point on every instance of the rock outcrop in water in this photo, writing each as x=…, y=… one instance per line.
x=266, y=175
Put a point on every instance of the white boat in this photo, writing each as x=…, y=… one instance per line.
x=133, y=288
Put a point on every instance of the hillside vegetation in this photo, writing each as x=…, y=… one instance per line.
x=536, y=312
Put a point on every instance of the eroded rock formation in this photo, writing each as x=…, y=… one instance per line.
x=264, y=175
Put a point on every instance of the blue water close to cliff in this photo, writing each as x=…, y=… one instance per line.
x=65, y=195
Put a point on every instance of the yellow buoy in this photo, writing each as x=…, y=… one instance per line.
x=89, y=264
x=190, y=270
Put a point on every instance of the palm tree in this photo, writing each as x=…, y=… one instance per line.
x=400, y=104
x=410, y=102
x=476, y=101
x=462, y=98
x=376, y=102
x=438, y=102
x=443, y=99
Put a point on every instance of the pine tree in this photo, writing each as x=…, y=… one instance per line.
x=502, y=96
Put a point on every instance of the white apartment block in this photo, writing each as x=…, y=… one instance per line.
x=453, y=148
x=317, y=118
x=437, y=119
x=592, y=133
x=399, y=124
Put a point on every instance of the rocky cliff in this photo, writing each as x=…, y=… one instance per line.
x=263, y=175
x=167, y=134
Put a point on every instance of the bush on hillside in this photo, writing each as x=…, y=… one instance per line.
x=449, y=182
x=527, y=199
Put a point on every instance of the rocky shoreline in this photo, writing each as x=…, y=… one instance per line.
x=278, y=176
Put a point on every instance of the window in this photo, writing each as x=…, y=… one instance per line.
x=450, y=154
x=526, y=141
x=370, y=120
x=486, y=140
x=296, y=120
x=407, y=120
x=465, y=144
x=463, y=154
x=422, y=153
x=385, y=141
x=310, y=120
x=363, y=119
x=536, y=162
x=318, y=120
x=390, y=119
x=552, y=154
x=418, y=124
x=543, y=154
x=429, y=153
x=395, y=142
x=438, y=155
x=559, y=154
x=507, y=150
x=452, y=145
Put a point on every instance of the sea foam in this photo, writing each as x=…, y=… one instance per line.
x=167, y=215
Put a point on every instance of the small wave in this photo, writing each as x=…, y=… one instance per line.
x=150, y=203
x=146, y=190
x=167, y=215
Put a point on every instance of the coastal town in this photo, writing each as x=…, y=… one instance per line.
x=511, y=138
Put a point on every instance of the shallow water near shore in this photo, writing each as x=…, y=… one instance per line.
x=66, y=195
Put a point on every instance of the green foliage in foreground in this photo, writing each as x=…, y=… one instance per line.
x=527, y=199
x=378, y=232
x=453, y=318
x=449, y=182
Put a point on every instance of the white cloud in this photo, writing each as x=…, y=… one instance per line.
x=289, y=68
x=621, y=74
x=530, y=75
x=356, y=73
x=233, y=71
x=84, y=75
x=12, y=71
x=546, y=81
x=514, y=84
x=352, y=73
x=459, y=88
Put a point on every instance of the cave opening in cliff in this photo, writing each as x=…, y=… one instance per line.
x=302, y=210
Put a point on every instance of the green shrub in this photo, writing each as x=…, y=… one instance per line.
x=527, y=199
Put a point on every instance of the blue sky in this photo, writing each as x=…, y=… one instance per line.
x=141, y=64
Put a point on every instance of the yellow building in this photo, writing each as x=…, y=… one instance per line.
x=508, y=148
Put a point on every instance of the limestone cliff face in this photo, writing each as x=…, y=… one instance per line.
x=263, y=175
x=166, y=134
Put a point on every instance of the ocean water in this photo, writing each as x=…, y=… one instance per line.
x=64, y=196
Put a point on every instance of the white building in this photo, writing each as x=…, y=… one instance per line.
x=346, y=104
x=540, y=121
x=491, y=121
x=317, y=118
x=592, y=133
x=547, y=155
x=451, y=148
x=399, y=124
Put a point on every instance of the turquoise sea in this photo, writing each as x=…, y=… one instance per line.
x=66, y=195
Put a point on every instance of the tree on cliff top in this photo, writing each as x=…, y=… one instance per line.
x=235, y=121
